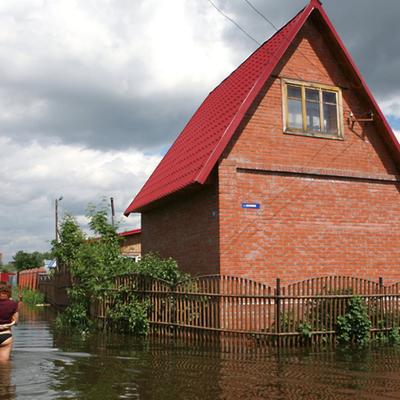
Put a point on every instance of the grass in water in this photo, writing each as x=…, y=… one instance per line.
x=31, y=297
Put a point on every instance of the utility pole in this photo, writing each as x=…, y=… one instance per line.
x=56, y=216
x=112, y=211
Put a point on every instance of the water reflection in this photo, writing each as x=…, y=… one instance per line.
x=47, y=365
x=7, y=389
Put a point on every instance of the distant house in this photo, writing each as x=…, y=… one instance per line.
x=131, y=244
x=287, y=169
x=7, y=276
x=50, y=265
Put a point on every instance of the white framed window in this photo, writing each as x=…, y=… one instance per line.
x=312, y=109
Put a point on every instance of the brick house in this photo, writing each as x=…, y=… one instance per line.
x=288, y=168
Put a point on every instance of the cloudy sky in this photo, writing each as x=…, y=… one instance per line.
x=93, y=92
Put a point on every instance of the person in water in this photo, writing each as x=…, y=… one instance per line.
x=8, y=318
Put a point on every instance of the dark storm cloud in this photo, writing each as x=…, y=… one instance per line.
x=101, y=119
x=369, y=29
x=69, y=100
x=87, y=74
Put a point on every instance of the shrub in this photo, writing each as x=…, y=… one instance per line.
x=154, y=266
x=354, y=326
x=394, y=336
x=75, y=316
x=31, y=297
x=128, y=313
x=305, y=330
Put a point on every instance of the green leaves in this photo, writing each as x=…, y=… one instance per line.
x=23, y=260
x=75, y=316
x=354, y=326
x=128, y=313
x=71, y=239
x=166, y=269
x=31, y=297
x=305, y=330
x=94, y=263
x=394, y=336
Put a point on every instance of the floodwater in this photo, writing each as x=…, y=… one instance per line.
x=46, y=365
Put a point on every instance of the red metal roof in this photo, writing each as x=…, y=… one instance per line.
x=130, y=233
x=198, y=148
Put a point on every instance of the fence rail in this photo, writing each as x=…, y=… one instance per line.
x=233, y=305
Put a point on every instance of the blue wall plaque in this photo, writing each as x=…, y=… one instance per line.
x=251, y=205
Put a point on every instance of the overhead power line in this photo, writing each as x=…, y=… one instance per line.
x=277, y=29
x=261, y=14
x=234, y=22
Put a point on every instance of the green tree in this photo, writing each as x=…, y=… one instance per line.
x=24, y=260
x=94, y=263
x=7, y=268
x=71, y=239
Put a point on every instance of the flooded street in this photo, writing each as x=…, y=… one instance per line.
x=45, y=365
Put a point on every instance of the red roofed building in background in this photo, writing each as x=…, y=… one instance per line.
x=288, y=168
x=130, y=244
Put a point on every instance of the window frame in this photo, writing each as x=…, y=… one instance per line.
x=316, y=86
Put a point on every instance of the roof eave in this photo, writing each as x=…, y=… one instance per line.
x=138, y=206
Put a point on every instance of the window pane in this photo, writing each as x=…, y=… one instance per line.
x=294, y=91
x=312, y=95
x=313, y=117
x=329, y=97
x=330, y=119
x=295, y=116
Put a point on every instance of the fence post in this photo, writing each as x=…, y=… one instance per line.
x=174, y=309
x=382, y=303
x=278, y=309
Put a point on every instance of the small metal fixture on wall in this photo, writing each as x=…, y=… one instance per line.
x=368, y=117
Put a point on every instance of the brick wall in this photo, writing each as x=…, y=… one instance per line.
x=327, y=206
x=186, y=230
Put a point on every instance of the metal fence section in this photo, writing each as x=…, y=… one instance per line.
x=238, y=306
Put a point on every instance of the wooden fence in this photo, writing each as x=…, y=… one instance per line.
x=238, y=306
x=29, y=278
x=54, y=287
